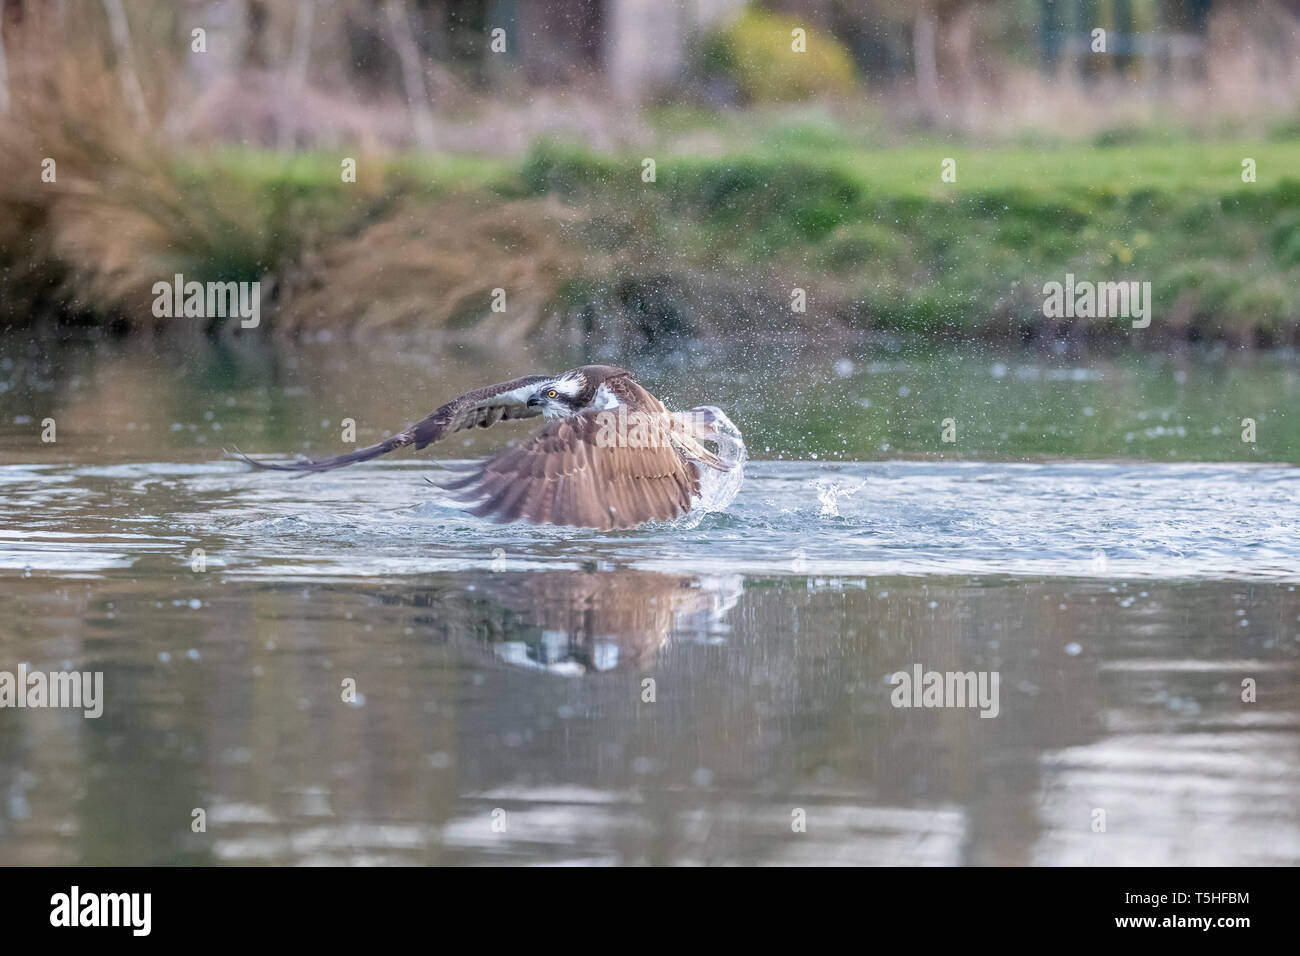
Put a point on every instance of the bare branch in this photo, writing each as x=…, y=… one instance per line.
x=412, y=75
x=131, y=89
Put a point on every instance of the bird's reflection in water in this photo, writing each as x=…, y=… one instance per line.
x=577, y=622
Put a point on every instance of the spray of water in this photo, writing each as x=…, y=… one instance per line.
x=718, y=488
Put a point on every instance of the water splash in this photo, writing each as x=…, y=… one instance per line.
x=829, y=494
x=718, y=489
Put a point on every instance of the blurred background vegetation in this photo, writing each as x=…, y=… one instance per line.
x=523, y=168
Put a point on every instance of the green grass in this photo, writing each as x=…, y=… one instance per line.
x=881, y=234
x=872, y=232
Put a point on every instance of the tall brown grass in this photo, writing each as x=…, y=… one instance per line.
x=129, y=208
x=122, y=212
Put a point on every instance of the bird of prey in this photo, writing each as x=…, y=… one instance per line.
x=609, y=456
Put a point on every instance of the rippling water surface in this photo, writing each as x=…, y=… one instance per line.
x=503, y=711
x=710, y=691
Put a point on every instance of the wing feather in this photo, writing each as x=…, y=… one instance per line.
x=564, y=476
x=480, y=408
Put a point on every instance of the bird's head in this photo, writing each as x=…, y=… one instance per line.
x=565, y=396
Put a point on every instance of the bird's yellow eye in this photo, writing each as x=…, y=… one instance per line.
x=552, y=393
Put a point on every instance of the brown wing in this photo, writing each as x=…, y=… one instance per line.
x=479, y=408
x=565, y=476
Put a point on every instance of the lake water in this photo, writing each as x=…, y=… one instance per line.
x=502, y=711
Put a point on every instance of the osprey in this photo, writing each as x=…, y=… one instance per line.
x=610, y=456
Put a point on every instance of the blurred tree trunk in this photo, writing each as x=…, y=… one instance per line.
x=412, y=75
x=131, y=89
x=1124, y=58
x=4, y=69
x=253, y=52
x=959, y=42
x=943, y=29
x=299, y=52
x=295, y=71
x=924, y=62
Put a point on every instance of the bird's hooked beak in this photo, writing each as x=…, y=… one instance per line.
x=535, y=400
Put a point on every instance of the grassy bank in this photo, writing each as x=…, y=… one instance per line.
x=878, y=240
x=716, y=243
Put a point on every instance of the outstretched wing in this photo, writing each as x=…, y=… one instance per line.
x=565, y=476
x=479, y=408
